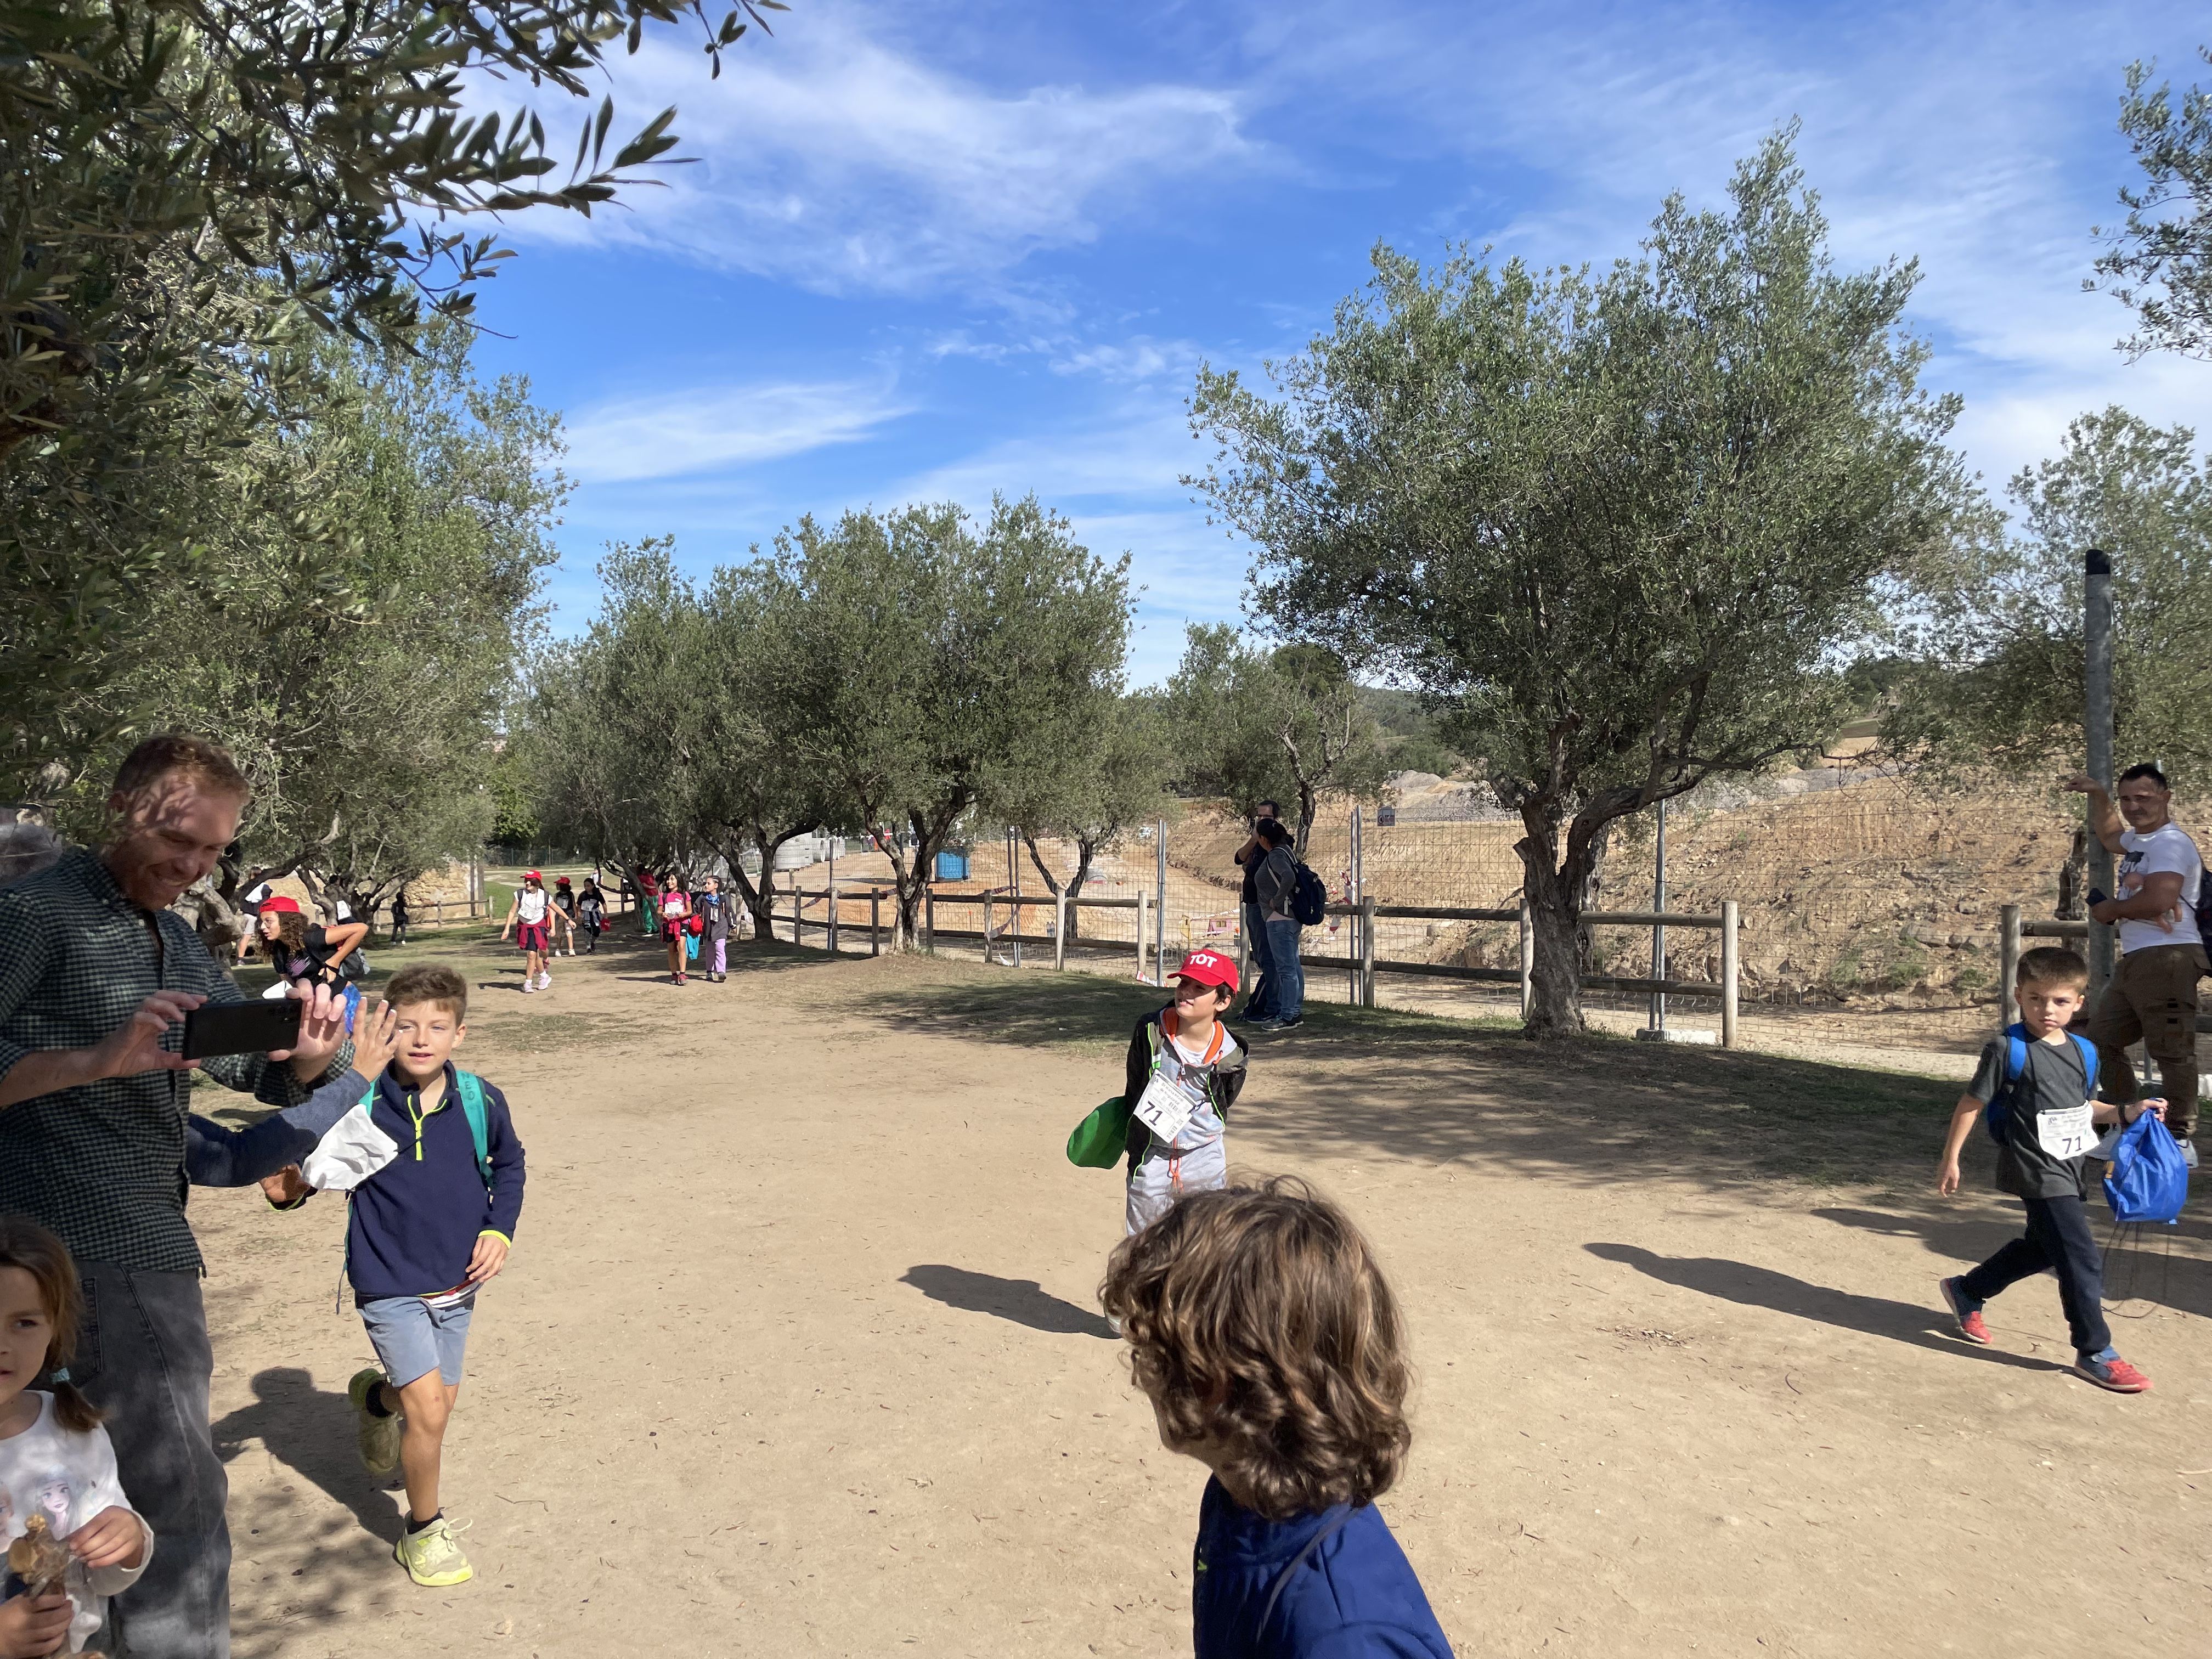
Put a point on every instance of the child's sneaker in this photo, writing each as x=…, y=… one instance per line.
x=431, y=1557
x=2108, y=1370
x=1967, y=1311
x=379, y=1435
x=529, y=985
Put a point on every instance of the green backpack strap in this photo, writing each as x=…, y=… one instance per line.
x=472, y=1108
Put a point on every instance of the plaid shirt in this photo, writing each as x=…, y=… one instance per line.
x=102, y=1164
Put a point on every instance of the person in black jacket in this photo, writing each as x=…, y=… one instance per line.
x=1184, y=1073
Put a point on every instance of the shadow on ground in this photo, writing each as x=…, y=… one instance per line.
x=1434, y=1089
x=2165, y=1265
x=311, y=1432
x=1762, y=1287
x=1024, y=1301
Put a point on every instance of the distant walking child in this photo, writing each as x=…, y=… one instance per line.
x=530, y=916
x=58, y=1479
x=675, y=913
x=1184, y=1073
x=2039, y=1084
x=399, y=917
x=714, y=914
x=1263, y=1334
x=436, y=1194
x=591, y=916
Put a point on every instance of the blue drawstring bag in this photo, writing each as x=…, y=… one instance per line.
x=2150, y=1179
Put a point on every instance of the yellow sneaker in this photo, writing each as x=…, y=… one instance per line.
x=432, y=1558
x=379, y=1435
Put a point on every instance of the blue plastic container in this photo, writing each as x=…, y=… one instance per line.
x=951, y=867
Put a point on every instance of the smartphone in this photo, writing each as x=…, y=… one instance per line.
x=242, y=1028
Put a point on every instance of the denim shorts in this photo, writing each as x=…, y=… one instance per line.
x=413, y=1338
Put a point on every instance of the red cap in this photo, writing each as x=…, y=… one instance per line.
x=533, y=875
x=1209, y=968
x=281, y=906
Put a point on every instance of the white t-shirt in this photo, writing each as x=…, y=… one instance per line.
x=530, y=906
x=2165, y=848
x=69, y=1478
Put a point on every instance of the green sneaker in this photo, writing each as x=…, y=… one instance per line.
x=431, y=1557
x=380, y=1435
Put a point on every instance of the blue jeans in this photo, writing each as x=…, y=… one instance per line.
x=2060, y=1237
x=1285, y=972
x=1261, y=1003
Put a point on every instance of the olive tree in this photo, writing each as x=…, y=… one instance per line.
x=2158, y=262
x=1616, y=523
x=943, y=664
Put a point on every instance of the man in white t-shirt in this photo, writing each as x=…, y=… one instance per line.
x=2153, y=994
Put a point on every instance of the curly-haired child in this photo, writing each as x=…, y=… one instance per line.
x=1262, y=1332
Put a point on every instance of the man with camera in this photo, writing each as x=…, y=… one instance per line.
x=97, y=976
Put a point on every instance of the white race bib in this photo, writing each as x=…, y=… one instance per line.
x=1166, y=1105
x=2065, y=1135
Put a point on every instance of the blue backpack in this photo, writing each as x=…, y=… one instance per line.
x=2149, y=1178
x=1999, y=1113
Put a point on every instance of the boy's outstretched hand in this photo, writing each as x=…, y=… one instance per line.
x=375, y=1039
x=489, y=1256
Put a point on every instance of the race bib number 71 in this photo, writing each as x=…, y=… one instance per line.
x=2067, y=1133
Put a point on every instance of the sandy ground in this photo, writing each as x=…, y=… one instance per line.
x=798, y=1351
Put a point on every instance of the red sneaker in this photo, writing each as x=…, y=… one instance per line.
x=1968, y=1312
x=2108, y=1370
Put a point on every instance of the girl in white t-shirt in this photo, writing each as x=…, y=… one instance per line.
x=57, y=1466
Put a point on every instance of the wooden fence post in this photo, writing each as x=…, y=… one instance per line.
x=875, y=921
x=986, y=926
x=833, y=921
x=1527, y=963
x=2008, y=961
x=1060, y=932
x=1144, y=902
x=1728, y=973
x=929, y=920
x=1367, y=951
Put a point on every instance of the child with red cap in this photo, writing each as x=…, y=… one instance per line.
x=1185, y=1072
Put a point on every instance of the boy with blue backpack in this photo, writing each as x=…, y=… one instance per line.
x=2037, y=1084
x=435, y=1196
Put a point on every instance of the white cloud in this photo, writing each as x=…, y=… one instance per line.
x=828, y=158
x=670, y=434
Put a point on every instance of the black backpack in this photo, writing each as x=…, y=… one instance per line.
x=1310, y=899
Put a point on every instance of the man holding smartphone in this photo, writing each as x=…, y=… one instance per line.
x=97, y=976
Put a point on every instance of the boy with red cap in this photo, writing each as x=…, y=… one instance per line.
x=1185, y=1072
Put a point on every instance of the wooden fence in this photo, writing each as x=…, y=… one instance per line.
x=1360, y=963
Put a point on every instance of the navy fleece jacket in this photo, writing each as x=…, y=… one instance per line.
x=419, y=1200
x=1353, y=1597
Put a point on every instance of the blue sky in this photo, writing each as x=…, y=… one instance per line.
x=932, y=250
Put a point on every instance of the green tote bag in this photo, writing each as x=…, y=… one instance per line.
x=1102, y=1139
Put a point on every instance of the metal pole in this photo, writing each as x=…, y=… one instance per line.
x=2008, y=961
x=1141, y=902
x=1160, y=910
x=1728, y=973
x=1527, y=962
x=1352, y=899
x=1014, y=879
x=875, y=921
x=2097, y=663
x=1659, y=928
x=1367, y=950
x=1060, y=930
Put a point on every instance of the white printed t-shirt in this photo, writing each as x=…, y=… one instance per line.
x=2165, y=848
x=69, y=1478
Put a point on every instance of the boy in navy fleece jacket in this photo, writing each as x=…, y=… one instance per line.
x=1293, y=1561
x=434, y=1211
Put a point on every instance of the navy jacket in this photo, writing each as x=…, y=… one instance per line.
x=419, y=1201
x=1354, y=1597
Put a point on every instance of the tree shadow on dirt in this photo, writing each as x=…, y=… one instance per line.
x=1024, y=1301
x=311, y=1432
x=1436, y=1090
x=1763, y=1287
x=2160, y=1265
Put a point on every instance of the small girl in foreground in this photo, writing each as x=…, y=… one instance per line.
x=55, y=1460
x=1264, y=1335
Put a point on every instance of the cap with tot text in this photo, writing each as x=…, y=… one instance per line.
x=1209, y=968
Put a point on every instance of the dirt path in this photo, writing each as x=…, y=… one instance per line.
x=798, y=1352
